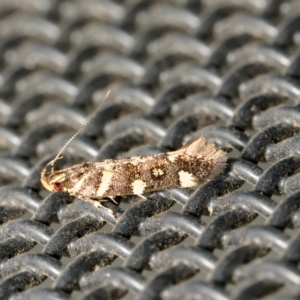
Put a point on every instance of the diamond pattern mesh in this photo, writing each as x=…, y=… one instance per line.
x=177, y=69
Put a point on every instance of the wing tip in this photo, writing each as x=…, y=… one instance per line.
x=202, y=148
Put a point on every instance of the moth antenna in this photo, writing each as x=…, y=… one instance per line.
x=75, y=135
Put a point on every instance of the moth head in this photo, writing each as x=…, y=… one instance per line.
x=63, y=180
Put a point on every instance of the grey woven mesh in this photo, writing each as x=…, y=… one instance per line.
x=177, y=70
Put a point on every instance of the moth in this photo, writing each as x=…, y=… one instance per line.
x=193, y=164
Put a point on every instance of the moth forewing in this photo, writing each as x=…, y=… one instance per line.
x=191, y=165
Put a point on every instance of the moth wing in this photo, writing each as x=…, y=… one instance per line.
x=193, y=147
x=202, y=148
x=187, y=144
x=197, y=146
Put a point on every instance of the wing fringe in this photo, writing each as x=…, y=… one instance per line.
x=202, y=148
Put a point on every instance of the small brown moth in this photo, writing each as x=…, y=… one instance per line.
x=193, y=164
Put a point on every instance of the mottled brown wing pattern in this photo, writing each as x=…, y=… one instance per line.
x=188, y=166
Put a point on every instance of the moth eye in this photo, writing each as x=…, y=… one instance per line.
x=58, y=186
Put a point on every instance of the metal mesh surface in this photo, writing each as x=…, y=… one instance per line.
x=178, y=69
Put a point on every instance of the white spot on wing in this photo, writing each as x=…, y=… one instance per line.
x=138, y=186
x=158, y=172
x=105, y=182
x=135, y=160
x=186, y=179
x=171, y=156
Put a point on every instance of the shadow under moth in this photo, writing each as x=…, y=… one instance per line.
x=191, y=165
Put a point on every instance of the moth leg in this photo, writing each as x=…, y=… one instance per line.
x=100, y=200
x=113, y=199
x=97, y=204
x=143, y=197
